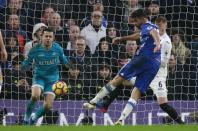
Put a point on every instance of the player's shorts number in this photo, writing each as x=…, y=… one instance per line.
x=160, y=84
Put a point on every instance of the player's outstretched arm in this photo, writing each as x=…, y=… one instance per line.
x=3, y=53
x=156, y=38
x=132, y=37
x=64, y=59
x=69, y=64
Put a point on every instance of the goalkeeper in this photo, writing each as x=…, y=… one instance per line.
x=46, y=57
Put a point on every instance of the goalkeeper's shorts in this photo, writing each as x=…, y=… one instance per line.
x=44, y=84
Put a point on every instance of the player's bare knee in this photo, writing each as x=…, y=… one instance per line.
x=35, y=98
x=136, y=94
x=117, y=80
x=36, y=92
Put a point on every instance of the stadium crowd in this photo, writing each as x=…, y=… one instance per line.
x=85, y=29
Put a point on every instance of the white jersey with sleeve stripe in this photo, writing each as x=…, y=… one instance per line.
x=166, y=47
x=158, y=85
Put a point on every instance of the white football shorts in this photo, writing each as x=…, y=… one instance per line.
x=158, y=85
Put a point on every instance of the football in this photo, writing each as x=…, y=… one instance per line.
x=60, y=88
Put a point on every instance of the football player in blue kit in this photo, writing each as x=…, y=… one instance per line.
x=144, y=65
x=46, y=57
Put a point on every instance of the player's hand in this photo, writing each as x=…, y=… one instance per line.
x=116, y=40
x=3, y=55
x=157, y=48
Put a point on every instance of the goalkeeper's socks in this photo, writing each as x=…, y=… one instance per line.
x=131, y=104
x=29, y=109
x=171, y=112
x=102, y=93
x=40, y=112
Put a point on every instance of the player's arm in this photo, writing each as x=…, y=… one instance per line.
x=27, y=63
x=3, y=52
x=132, y=37
x=67, y=63
x=156, y=38
x=165, y=52
x=64, y=59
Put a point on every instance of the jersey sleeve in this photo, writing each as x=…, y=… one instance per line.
x=26, y=64
x=165, y=52
x=63, y=58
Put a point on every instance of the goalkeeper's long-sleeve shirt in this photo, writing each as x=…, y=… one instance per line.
x=45, y=62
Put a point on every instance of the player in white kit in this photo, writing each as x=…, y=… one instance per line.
x=158, y=85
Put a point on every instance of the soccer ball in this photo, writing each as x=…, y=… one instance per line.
x=60, y=88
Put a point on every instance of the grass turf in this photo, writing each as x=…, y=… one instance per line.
x=102, y=128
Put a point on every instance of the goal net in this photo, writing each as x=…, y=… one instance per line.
x=100, y=61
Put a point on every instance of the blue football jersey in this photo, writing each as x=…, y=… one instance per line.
x=45, y=61
x=146, y=40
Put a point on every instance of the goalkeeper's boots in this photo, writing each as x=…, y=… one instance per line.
x=119, y=122
x=25, y=122
x=32, y=122
x=89, y=106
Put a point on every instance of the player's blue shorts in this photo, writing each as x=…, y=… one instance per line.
x=44, y=83
x=144, y=68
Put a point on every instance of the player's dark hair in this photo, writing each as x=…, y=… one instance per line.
x=141, y=13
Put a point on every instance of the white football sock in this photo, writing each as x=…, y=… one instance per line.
x=128, y=108
x=103, y=92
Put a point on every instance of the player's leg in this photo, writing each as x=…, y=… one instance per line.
x=36, y=92
x=142, y=82
x=145, y=73
x=126, y=72
x=111, y=86
x=48, y=101
x=105, y=103
x=108, y=88
x=158, y=86
x=37, y=87
x=47, y=105
x=163, y=103
x=131, y=104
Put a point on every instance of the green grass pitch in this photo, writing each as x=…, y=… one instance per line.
x=102, y=128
